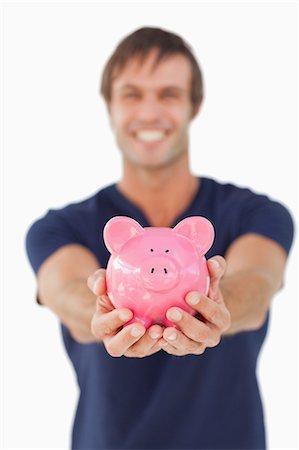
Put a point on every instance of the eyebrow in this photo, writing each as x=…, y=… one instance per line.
x=168, y=88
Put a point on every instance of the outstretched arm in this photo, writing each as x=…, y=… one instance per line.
x=85, y=309
x=62, y=288
x=241, y=290
x=255, y=270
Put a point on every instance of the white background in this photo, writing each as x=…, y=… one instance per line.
x=58, y=148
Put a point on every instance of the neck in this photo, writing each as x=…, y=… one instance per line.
x=161, y=193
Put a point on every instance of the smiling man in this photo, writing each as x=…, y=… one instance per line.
x=190, y=387
x=150, y=110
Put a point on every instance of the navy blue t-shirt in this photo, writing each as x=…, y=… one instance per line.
x=208, y=401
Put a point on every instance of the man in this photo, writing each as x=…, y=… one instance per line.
x=188, y=387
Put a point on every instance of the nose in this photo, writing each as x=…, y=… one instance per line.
x=159, y=274
x=149, y=110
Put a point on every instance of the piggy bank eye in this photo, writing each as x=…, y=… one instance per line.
x=152, y=249
x=166, y=251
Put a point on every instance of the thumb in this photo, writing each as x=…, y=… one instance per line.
x=216, y=267
x=97, y=282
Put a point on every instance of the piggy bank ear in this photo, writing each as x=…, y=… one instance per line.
x=118, y=231
x=199, y=230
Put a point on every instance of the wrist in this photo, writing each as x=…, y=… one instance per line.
x=75, y=307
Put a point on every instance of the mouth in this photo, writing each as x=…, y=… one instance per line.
x=150, y=136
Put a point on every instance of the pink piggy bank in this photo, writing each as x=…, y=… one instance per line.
x=152, y=269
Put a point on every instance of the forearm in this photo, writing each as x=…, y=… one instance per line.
x=247, y=295
x=75, y=306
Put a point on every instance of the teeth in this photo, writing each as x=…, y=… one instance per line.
x=150, y=136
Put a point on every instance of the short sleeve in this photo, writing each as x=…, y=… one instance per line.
x=47, y=235
x=268, y=218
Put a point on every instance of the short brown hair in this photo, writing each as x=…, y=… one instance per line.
x=140, y=43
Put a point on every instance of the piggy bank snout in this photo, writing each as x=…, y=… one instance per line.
x=159, y=273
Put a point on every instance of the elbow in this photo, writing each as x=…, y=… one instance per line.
x=258, y=323
x=262, y=307
x=259, y=320
x=82, y=337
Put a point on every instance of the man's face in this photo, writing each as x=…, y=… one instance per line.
x=150, y=111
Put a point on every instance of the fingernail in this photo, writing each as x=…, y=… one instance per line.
x=124, y=316
x=171, y=337
x=154, y=334
x=215, y=263
x=175, y=315
x=193, y=299
x=135, y=332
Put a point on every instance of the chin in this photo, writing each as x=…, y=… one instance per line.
x=151, y=158
x=152, y=163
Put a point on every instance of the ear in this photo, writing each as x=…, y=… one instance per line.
x=197, y=229
x=118, y=231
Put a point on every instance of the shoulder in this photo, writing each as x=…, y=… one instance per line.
x=87, y=206
x=228, y=191
x=75, y=213
x=75, y=223
x=244, y=210
x=241, y=197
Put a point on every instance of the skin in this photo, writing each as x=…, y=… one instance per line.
x=157, y=178
x=147, y=99
x=194, y=335
x=160, y=99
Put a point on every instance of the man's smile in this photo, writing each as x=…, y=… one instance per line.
x=150, y=135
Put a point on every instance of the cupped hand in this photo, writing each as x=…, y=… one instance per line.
x=195, y=334
x=108, y=325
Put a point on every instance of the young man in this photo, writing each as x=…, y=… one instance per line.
x=193, y=387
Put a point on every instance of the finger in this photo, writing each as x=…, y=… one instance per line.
x=193, y=328
x=210, y=310
x=145, y=345
x=118, y=344
x=97, y=282
x=171, y=350
x=216, y=267
x=108, y=323
x=103, y=304
x=155, y=349
x=178, y=344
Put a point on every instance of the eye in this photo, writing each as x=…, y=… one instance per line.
x=152, y=249
x=131, y=95
x=166, y=251
x=170, y=94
